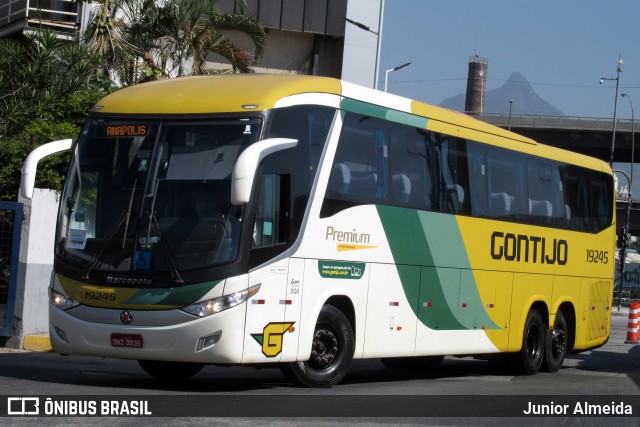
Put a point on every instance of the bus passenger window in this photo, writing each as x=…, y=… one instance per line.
x=543, y=183
x=507, y=191
x=602, y=201
x=410, y=175
x=575, y=182
x=477, y=162
x=455, y=173
x=360, y=169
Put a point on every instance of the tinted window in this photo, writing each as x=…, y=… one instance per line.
x=379, y=161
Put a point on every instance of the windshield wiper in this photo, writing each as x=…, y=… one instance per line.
x=123, y=218
x=95, y=259
x=165, y=248
x=128, y=213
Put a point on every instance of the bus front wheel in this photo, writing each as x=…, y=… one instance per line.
x=331, y=352
x=529, y=359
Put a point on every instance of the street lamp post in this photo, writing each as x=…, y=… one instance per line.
x=510, y=105
x=386, y=74
x=624, y=239
x=615, y=106
x=625, y=230
x=633, y=132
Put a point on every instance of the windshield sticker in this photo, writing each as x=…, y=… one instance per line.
x=142, y=260
x=77, y=239
x=341, y=270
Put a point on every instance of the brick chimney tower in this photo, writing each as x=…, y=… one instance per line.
x=476, y=85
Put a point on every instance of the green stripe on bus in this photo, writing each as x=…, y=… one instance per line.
x=383, y=113
x=433, y=241
x=177, y=297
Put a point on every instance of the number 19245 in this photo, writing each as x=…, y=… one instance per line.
x=598, y=257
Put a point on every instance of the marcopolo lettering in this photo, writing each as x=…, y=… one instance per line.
x=132, y=281
x=523, y=248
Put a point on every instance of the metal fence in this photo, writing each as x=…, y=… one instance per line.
x=10, y=228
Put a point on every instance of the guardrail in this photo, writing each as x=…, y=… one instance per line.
x=604, y=122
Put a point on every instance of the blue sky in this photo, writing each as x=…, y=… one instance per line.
x=562, y=47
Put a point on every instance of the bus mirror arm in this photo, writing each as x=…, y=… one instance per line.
x=27, y=181
x=245, y=168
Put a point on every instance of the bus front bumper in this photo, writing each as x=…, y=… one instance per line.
x=213, y=339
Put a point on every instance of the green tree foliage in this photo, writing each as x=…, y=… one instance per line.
x=46, y=89
x=47, y=86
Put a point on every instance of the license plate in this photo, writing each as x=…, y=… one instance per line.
x=126, y=340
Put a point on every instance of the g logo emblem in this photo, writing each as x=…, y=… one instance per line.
x=271, y=337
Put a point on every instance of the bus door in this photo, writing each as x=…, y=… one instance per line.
x=266, y=325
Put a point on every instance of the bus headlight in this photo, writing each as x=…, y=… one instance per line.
x=216, y=305
x=61, y=301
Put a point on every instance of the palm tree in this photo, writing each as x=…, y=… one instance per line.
x=189, y=30
x=148, y=39
x=119, y=31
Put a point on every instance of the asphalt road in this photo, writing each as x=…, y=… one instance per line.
x=370, y=394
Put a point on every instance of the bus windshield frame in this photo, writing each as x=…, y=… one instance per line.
x=151, y=197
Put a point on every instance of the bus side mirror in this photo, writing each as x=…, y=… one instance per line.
x=245, y=168
x=30, y=165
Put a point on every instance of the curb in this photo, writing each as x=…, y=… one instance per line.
x=37, y=343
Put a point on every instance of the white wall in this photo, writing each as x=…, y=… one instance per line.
x=36, y=263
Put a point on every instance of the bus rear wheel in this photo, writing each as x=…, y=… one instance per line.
x=331, y=352
x=170, y=371
x=529, y=359
x=556, y=345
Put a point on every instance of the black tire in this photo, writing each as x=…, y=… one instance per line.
x=170, y=371
x=556, y=344
x=529, y=359
x=412, y=363
x=331, y=353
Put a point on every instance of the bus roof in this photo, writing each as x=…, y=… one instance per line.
x=253, y=92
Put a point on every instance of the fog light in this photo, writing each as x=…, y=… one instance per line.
x=61, y=334
x=205, y=342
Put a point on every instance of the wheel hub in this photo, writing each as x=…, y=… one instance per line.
x=558, y=341
x=324, y=349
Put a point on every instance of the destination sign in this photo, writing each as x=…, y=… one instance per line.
x=112, y=131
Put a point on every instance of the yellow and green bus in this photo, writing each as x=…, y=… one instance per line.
x=306, y=221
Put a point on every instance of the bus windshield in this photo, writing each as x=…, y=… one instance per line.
x=153, y=196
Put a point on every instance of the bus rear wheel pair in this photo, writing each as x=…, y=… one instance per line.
x=541, y=348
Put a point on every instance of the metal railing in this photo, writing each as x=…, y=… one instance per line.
x=57, y=15
x=10, y=229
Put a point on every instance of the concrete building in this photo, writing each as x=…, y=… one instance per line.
x=65, y=18
x=303, y=36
